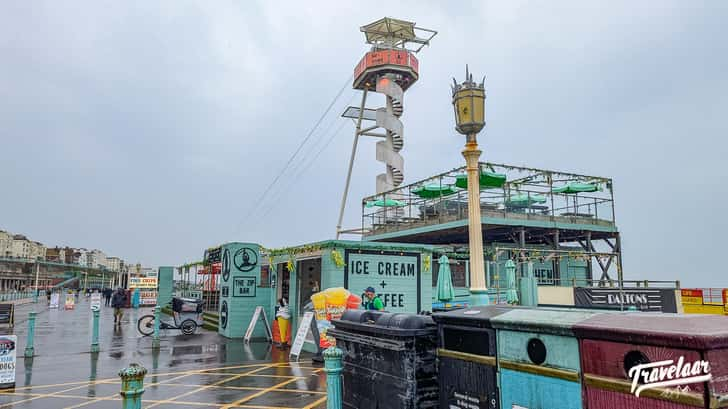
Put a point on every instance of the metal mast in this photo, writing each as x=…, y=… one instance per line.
x=389, y=68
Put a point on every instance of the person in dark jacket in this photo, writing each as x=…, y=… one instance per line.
x=118, y=301
x=107, y=295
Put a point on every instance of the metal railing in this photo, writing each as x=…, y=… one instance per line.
x=527, y=194
x=580, y=282
x=15, y=295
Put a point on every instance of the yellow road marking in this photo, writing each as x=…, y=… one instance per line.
x=318, y=402
x=46, y=395
x=170, y=382
x=247, y=388
x=212, y=385
x=255, y=395
x=117, y=393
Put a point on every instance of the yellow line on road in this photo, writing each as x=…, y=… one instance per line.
x=117, y=393
x=313, y=405
x=257, y=394
x=45, y=395
x=246, y=388
x=212, y=385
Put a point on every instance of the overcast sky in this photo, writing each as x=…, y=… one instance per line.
x=150, y=129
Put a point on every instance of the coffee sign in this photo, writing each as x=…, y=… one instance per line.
x=394, y=275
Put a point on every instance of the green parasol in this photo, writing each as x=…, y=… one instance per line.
x=487, y=180
x=444, y=290
x=511, y=292
x=433, y=191
x=386, y=203
x=524, y=199
x=576, y=187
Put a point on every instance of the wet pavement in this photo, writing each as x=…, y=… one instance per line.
x=203, y=370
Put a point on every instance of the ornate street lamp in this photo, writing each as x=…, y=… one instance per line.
x=468, y=99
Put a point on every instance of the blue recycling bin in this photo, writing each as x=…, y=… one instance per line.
x=538, y=358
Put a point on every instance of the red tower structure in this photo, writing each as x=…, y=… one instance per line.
x=389, y=68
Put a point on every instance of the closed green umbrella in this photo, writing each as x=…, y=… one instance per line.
x=525, y=199
x=445, y=290
x=511, y=292
x=487, y=180
x=576, y=187
x=386, y=203
x=433, y=191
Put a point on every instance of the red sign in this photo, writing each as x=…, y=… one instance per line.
x=725, y=296
x=693, y=292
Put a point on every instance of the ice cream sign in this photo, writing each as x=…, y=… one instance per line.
x=395, y=276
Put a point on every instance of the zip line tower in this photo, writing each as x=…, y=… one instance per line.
x=390, y=68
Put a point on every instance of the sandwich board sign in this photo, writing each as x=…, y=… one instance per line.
x=55, y=299
x=70, y=302
x=253, y=321
x=301, y=334
x=8, y=348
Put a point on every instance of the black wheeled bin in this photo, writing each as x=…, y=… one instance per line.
x=389, y=360
x=466, y=357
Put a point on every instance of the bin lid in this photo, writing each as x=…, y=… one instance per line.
x=471, y=317
x=559, y=321
x=392, y=324
x=694, y=331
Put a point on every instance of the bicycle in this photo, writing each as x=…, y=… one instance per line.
x=145, y=325
x=188, y=326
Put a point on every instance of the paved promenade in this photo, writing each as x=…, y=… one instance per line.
x=198, y=371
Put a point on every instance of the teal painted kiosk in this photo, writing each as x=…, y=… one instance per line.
x=241, y=290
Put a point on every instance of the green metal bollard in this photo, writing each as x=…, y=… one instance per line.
x=132, y=386
x=29, y=350
x=333, y=367
x=95, y=331
x=155, y=337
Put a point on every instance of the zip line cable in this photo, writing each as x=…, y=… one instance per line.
x=294, y=171
x=306, y=167
x=290, y=160
x=314, y=145
x=301, y=166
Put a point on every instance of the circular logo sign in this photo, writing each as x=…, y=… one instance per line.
x=226, y=265
x=223, y=315
x=245, y=259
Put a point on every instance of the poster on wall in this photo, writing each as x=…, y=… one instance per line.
x=148, y=298
x=395, y=276
x=644, y=299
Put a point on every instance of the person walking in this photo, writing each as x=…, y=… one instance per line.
x=371, y=301
x=118, y=301
x=107, y=296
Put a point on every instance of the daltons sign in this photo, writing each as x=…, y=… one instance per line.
x=394, y=275
x=644, y=299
